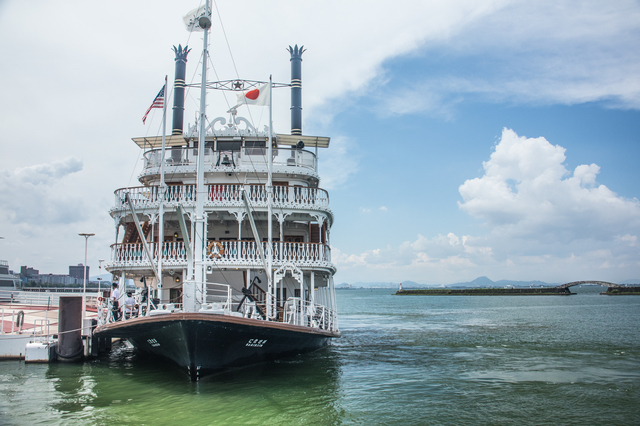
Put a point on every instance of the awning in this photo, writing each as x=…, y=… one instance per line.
x=309, y=141
x=179, y=140
x=156, y=141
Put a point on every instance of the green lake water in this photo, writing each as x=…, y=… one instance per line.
x=402, y=360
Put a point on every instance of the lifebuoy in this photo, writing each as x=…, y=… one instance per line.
x=100, y=299
x=217, y=252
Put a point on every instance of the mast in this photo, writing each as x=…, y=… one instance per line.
x=270, y=290
x=199, y=237
x=161, y=197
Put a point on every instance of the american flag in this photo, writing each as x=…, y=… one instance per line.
x=158, y=102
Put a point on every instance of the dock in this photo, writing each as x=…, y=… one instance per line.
x=31, y=321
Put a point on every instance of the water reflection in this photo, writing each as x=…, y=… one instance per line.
x=135, y=389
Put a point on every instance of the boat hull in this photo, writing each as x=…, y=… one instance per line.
x=204, y=343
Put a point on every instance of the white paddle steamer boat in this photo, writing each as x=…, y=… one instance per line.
x=227, y=238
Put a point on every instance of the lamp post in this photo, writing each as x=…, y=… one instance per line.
x=100, y=276
x=84, y=276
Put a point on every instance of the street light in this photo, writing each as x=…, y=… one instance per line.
x=84, y=275
x=100, y=276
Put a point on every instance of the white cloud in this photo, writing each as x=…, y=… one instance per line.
x=526, y=191
x=586, y=174
x=631, y=240
x=36, y=196
x=441, y=256
x=543, y=52
x=338, y=163
x=92, y=86
x=46, y=173
x=544, y=222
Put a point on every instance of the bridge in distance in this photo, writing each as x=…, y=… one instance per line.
x=574, y=283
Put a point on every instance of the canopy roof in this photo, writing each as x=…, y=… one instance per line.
x=309, y=141
x=179, y=140
x=156, y=141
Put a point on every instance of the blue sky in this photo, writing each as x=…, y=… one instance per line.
x=469, y=138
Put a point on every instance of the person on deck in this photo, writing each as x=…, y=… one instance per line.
x=115, y=301
x=129, y=306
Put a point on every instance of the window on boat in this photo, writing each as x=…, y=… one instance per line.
x=229, y=145
x=255, y=147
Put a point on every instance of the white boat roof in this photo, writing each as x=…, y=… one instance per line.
x=309, y=141
x=156, y=141
x=282, y=139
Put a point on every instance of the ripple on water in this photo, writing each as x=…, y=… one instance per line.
x=401, y=361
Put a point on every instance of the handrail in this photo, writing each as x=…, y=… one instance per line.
x=234, y=251
x=225, y=194
x=306, y=313
x=218, y=299
x=248, y=157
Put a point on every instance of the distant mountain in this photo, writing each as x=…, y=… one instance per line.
x=481, y=282
x=369, y=285
x=382, y=284
x=105, y=277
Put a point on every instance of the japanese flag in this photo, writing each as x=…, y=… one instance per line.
x=259, y=96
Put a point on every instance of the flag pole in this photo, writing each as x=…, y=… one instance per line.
x=270, y=289
x=160, y=245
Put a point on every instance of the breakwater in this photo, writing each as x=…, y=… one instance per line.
x=552, y=291
x=623, y=291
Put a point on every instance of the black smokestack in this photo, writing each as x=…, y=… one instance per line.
x=296, y=89
x=178, y=88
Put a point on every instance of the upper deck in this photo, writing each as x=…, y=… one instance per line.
x=184, y=160
x=232, y=152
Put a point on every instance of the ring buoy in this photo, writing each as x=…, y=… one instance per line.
x=215, y=250
x=99, y=298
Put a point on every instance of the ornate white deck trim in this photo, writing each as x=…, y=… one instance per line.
x=284, y=197
x=235, y=254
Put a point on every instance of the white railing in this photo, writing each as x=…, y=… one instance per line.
x=244, y=253
x=173, y=253
x=219, y=299
x=249, y=158
x=107, y=313
x=48, y=296
x=221, y=294
x=224, y=195
x=305, y=313
x=41, y=326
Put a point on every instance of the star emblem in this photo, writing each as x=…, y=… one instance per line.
x=237, y=85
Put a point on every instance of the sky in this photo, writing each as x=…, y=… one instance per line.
x=471, y=138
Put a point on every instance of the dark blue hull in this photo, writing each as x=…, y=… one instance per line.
x=205, y=343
